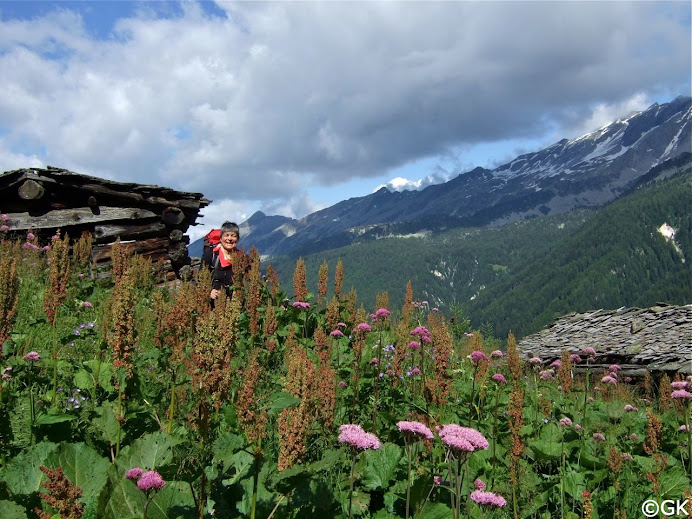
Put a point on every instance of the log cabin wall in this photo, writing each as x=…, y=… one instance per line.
x=153, y=219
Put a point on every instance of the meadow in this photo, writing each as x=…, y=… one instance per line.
x=126, y=397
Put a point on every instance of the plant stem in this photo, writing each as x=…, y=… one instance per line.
x=171, y=408
x=350, y=490
x=55, y=363
x=409, y=452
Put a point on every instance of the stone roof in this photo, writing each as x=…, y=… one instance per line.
x=655, y=339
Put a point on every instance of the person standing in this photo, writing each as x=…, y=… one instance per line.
x=220, y=259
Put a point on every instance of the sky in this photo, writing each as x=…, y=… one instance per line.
x=288, y=107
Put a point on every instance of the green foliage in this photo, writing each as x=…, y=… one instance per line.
x=286, y=391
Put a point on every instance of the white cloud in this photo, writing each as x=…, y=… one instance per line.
x=275, y=98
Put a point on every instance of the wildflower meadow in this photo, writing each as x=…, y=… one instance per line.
x=126, y=397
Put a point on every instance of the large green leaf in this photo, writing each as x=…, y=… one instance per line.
x=22, y=474
x=225, y=446
x=82, y=465
x=152, y=451
x=48, y=418
x=281, y=400
x=674, y=481
x=106, y=422
x=11, y=510
x=381, y=466
x=121, y=499
x=174, y=501
x=435, y=511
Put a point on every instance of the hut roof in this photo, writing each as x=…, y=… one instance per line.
x=655, y=339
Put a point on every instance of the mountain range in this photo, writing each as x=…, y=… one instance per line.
x=587, y=172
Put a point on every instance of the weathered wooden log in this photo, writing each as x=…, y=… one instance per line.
x=176, y=235
x=152, y=247
x=103, y=190
x=31, y=190
x=76, y=216
x=108, y=232
x=172, y=216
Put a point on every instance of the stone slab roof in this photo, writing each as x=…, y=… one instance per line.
x=657, y=338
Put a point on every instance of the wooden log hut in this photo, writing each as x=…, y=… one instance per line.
x=152, y=219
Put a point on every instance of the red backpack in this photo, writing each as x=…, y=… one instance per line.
x=211, y=240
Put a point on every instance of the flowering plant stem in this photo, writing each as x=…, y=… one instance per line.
x=409, y=454
x=55, y=363
x=350, y=488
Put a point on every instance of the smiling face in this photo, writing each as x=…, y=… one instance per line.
x=229, y=240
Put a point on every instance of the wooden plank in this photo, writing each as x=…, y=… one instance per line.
x=148, y=247
x=107, y=233
x=77, y=216
x=103, y=190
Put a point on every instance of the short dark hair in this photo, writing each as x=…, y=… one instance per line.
x=230, y=227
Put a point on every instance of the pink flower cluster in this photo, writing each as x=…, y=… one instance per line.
x=32, y=356
x=496, y=354
x=336, y=333
x=462, y=439
x=478, y=356
x=499, y=378
x=356, y=437
x=598, y=437
x=380, y=314
x=566, y=422
x=146, y=481
x=631, y=408
x=680, y=384
x=364, y=327
x=609, y=379
x=575, y=358
x=423, y=333
x=589, y=351
x=487, y=498
x=681, y=394
x=535, y=360
x=300, y=304
x=415, y=429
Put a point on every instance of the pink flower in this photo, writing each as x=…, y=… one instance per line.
x=374, y=361
x=679, y=384
x=4, y=228
x=341, y=325
x=389, y=372
x=437, y=480
x=416, y=429
x=382, y=313
x=598, y=437
x=342, y=384
x=575, y=358
x=634, y=437
x=415, y=371
x=683, y=428
x=628, y=379
x=578, y=427
x=681, y=394
x=478, y=356
x=414, y=345
x=565, y=422
x=32, y=356
x=4, y=217
x=28, y=245
x=462, y=439
x=499, y=378
x=545, y=375
x=629, y=407
x=30, y=236
x=45, y=248
x=364, y=327
x=627, y=456
x=337, y=333
x=496, y=354
x=300, y=304
x=590, y=400
x=535, y=360
x=87, y=304
x=134, y=474
x=150, y=480
x=356, y=437
x=423, y=333
x=487, y=498
x=479, y=484
x=589, y=351
x=556, y=364
x=608, y=379
x=614, y=367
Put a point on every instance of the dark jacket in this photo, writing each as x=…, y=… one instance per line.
x=221, y=276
